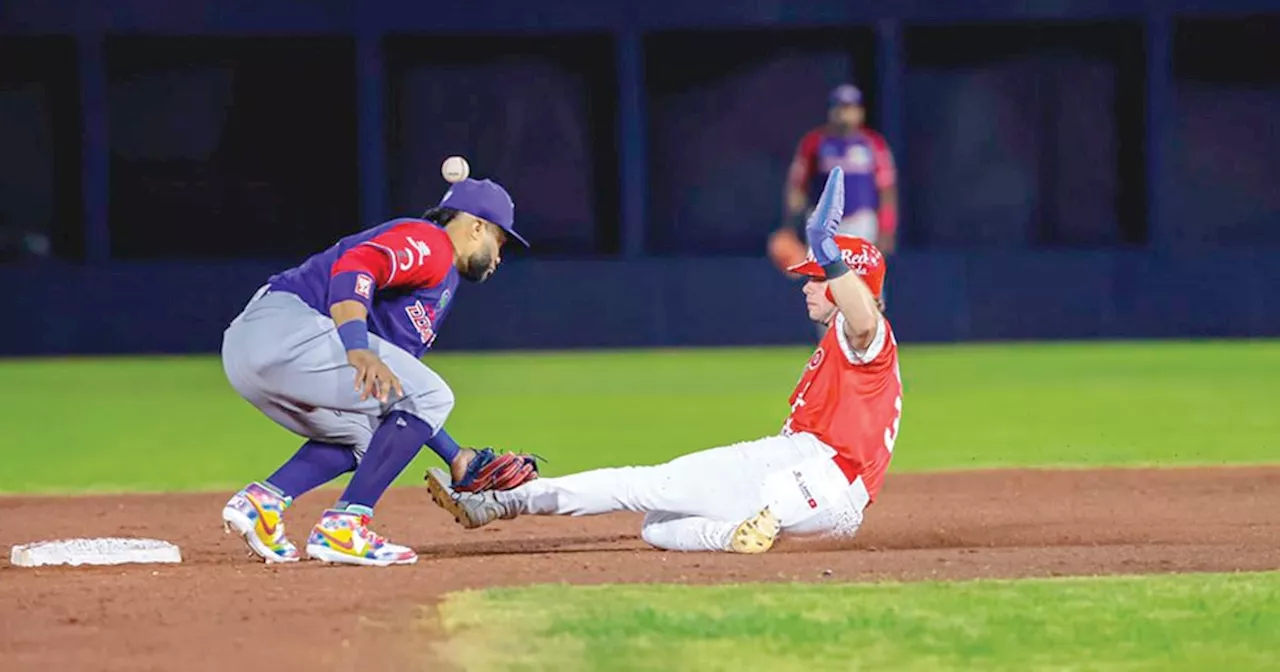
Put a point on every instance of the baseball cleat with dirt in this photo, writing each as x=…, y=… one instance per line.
x=256, y=514
x=469, y=509
x=344, y=537
x=756, y=534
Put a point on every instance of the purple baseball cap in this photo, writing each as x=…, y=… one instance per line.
x=487, y=200
x=845, y=94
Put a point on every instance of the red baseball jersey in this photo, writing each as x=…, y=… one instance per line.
x=852, y=401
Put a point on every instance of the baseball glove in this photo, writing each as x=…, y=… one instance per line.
x=786, y=249
x=497, y=471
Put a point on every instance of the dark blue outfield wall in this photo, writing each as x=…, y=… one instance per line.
x=933, y=296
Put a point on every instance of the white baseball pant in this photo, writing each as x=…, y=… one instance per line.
x=695, y=502
x=863, y=223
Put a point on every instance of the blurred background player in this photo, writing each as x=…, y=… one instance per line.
x=870, y=180
x=330, y=350
x=814, y=478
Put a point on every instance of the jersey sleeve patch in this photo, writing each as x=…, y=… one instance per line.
x=852, y=354
x=364, y=285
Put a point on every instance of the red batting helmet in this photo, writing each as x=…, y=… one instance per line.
x=864, y=258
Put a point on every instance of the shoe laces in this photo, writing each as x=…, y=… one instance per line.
x=375, y=539
x=270, y=501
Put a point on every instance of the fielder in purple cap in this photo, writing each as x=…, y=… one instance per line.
x=870, y=180
x=330, y=350
x=870, y=177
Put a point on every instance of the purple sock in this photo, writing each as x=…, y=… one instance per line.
x=393, y=447
x=445, y=446
x=315, y=464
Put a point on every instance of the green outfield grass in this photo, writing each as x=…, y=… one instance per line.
x=167, y=424
x=1173, y=622
x=156, y=424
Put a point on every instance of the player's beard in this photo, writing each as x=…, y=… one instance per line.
x=479, y=266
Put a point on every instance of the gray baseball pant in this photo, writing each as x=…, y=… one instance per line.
x=287, y=360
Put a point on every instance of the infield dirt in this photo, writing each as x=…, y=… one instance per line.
x=219, y=609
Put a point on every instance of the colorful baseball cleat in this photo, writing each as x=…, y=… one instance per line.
x=756, y=534
x=344, y=537
x=469, y=509
x=256, y=513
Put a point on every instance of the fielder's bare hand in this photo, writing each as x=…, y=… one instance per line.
x=373, y=377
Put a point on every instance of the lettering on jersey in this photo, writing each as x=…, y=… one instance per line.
x=416, y=253
x=421, y=319
x=796, y=405
x=804, y=490
x=856, y=159
x=364, y=286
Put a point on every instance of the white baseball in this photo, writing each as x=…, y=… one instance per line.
x=455, y=169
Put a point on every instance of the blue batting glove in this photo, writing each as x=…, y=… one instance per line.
x=821, y=228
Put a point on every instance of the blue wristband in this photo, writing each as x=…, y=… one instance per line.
x=354, y=334
x=835, y=269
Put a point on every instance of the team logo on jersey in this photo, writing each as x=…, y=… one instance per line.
x=816, y=360
x=364, y=286
x=860, y=261
x=421, y=317
x=858, y=158
x=444, y=298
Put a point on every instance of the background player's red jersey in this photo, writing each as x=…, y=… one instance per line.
x=852, y=401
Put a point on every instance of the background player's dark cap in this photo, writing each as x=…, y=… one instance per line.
x=845, y=94
x=485, y=199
